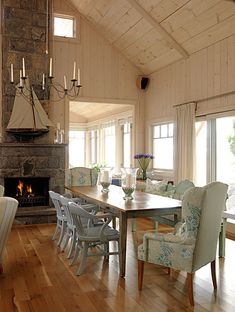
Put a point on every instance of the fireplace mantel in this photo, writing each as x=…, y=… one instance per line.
x=31, y=145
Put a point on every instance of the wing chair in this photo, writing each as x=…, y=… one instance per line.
x=194, y=242
x=8, y=207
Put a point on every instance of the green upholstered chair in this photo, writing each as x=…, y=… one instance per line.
x=194, y=242
x=163, y=188
x=176, y=192
x=8, y=207
x=82, y=176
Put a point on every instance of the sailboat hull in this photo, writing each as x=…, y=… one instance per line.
x=27, y=133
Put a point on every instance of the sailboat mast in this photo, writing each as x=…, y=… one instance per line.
x=32, y=104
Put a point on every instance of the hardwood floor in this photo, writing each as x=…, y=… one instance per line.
x=38, y=278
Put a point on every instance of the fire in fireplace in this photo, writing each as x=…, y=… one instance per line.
x=28, y=191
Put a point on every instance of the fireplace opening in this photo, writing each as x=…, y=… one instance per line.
x=29, y=192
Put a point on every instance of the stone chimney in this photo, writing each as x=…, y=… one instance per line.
x=24, y=35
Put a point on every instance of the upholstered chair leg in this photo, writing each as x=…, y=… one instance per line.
x=213, y=274
x=140, y=274
x=190, y=288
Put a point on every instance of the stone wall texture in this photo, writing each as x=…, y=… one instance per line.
x=25, y=29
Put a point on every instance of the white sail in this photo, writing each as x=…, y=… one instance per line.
x=27, y=111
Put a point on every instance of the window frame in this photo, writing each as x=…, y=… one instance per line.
x=131, y=141
x=161, y=124
x=76, y=29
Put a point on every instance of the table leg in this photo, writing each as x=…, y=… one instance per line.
x=123, y=237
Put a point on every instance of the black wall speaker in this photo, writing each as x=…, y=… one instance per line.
x=142, y=82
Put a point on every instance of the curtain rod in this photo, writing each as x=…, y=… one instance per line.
x=216, y=113
x=205, y=99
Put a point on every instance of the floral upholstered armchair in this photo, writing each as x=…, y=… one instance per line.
x=8, y=207
x=82, y=176
x=194, y=242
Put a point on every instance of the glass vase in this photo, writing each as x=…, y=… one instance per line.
x=129, y=182
x=105, y=179
x=144, y=174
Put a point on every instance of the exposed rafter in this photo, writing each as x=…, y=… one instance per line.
x=159, y=28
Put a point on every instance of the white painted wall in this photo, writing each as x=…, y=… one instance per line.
x=105, y=73
x=206, y=74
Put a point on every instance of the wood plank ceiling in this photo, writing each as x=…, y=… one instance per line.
x=155, y=33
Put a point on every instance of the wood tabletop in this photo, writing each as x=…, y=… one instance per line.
x=114, y=198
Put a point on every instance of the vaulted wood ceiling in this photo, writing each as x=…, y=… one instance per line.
x=155, y=33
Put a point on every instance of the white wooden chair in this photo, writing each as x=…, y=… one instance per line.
x=90, y=236
x=8, y=207
x=70, y=231
x=61, y=218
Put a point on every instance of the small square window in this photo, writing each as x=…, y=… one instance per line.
x=64, y=26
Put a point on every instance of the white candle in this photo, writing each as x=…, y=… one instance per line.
x=65, y=83
x=58, y=125
x=12, y=73
x=50, y=68
x=43, y=81
x=128, y=180
x=105, y=177
x=74, y=70
x=79, y=82
x=21, y=82
x=23, y=63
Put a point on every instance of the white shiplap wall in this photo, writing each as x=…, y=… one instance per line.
x=206, y=74
x=105, y=72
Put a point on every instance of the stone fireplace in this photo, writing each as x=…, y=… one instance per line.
x=40, y=165
x=25, y=26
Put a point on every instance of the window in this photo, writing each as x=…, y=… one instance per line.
x=215, y=159
x=163, y=146
x=77, y=148
x=94, y=150
x=64, y=26
x=109, y=146
x=126, y=128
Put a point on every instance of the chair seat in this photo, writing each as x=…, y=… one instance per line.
x=94, y=232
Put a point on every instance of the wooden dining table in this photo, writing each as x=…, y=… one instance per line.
x=142, y=205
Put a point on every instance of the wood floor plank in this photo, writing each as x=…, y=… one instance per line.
x=38, y=277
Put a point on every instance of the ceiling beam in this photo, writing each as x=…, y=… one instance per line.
x=171, y=41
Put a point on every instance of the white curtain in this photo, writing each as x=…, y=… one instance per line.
x=184, y=142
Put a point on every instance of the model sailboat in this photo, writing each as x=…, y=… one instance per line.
x=28, y=118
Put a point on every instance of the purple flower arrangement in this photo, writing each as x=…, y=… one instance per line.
x=144, y=161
